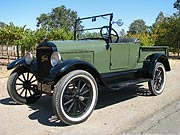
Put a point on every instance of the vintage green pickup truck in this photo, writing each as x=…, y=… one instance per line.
x=72, y=71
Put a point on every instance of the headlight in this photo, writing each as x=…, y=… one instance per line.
x=55, y=58
x=28, y=58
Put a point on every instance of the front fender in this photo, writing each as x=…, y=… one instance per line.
x=69, y=65
x=15, y=63
x=151, y=61
x=21, y=62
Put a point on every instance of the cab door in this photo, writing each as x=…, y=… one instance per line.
x=119, y=56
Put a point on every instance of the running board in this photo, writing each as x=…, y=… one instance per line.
x=117, y=86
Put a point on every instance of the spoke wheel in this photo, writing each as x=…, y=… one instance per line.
x=22, y=86
x=75, y=97
x=156, y=86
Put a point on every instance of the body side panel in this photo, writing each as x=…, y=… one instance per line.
x=119, y=57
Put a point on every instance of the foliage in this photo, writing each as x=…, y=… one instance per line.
x=60, y=17
x=177, y=5
x=146, y=39
x=2, y=24
x=41, y=34
x=27, y=42
x=54, y=34
x=139, y=30
x=160, y=17
x=89, y=35
x=167, y=32
x=62, y=34
x=10, y=33
x=122, y=33
x=137, y=26
x=14, y=35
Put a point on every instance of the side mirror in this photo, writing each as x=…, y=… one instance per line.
x=119, y=22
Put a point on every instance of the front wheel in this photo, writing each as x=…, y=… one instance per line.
x=156, y=85
x=75, y=97
x=22, y=86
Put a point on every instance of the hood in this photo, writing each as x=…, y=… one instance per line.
x=81, y=50
x=78, y=45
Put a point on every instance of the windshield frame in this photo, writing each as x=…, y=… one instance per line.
x=93, y=18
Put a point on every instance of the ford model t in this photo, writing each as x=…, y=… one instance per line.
x=72, y=71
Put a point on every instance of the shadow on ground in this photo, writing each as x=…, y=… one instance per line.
x=107, y=98
x=42, y=110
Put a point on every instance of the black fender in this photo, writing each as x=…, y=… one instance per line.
x=150, y=63
x=67, y=66
x=21, y=62
x=15, y=63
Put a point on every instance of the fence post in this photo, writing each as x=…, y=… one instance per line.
x=8, y=59
x=2, y=50
x=178, y=48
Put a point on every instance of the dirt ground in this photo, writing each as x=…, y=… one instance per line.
x=116, y=112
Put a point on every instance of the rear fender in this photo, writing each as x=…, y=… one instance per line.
x=67, y=66
x=150, y=63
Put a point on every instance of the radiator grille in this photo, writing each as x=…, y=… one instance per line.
x=43, y=60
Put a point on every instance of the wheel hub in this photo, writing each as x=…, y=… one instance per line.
x=81, y=98
x=27, y=85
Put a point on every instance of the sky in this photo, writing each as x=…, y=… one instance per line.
x=25, y=12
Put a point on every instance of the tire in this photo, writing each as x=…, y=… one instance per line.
x=157, y=84
x=22, y=86
x=75, y=97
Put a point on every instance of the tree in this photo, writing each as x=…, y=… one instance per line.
x=59, y=34
x=122, y=33
x=43, y=21
x=160, y=17
x=28, y=40
x=41, y=34
x=2, y=24
x=139, y=30
x=147, y=39
x=54, y=34
x=20, y=36
x=177, y=5
x=8, y=34
x=60, y=17
x=137, y=26
x=168, y=32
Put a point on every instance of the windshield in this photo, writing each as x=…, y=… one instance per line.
x=91, y=27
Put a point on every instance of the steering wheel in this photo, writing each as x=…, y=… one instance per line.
x=104, y=31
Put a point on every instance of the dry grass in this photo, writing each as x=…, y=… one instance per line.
x=4, y=72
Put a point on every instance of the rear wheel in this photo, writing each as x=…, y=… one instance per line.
x=156, y=85
x=22, y=86
x=75, y=97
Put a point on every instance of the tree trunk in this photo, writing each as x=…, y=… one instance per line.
x=17, y=51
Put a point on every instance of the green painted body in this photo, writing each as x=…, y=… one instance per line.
x=118, y=57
